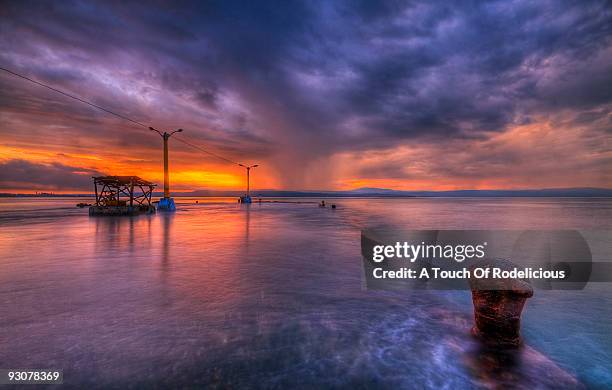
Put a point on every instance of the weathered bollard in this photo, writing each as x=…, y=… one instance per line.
x=498, y=304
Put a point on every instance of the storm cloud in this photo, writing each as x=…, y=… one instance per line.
x=295, y=84
x=21, y=174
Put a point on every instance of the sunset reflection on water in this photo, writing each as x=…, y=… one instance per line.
x=229, y=294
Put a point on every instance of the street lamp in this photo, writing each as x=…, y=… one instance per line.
x=247, y=198
x=166, y=203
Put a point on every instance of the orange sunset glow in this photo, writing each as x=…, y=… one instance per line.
x=306, y=194
x=444, y=120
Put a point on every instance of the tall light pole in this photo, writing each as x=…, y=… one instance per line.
x=166, y=203
x=247, y=198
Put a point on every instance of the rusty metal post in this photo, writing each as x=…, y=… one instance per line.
x=166, y=178
x=96, y=188
x=132, y=193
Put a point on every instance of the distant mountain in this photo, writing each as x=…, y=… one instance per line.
x=549, y=192
x=370, y=190
x=386, y=192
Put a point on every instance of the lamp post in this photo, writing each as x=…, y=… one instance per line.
x=247, y=198
x=166, y=203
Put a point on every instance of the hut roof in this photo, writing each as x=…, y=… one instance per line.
x=122, y=180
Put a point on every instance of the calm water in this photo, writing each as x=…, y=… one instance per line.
x=269, y=294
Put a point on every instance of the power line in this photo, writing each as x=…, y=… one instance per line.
x=113, y=113
x=75, y=97
x=206, y=151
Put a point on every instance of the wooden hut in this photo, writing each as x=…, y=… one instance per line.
x=122, y=195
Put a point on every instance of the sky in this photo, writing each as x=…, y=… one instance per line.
x=323, y=95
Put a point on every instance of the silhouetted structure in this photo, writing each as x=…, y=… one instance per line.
x=247, y=198
x=166, y=203
x=136, y=194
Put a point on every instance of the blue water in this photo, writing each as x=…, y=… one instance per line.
x=271, y=295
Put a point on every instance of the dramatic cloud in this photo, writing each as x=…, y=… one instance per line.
x=403, y=94
x=21, y=174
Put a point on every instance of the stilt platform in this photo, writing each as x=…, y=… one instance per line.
x=135, y=191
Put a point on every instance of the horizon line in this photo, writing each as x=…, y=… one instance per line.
x=365, y=191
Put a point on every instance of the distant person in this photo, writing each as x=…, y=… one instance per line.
x=322, y=204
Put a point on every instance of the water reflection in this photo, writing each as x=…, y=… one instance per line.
x=523, y=368
x=220, y=294
x=247, y=223
x=166, y=227
x=165, y=294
